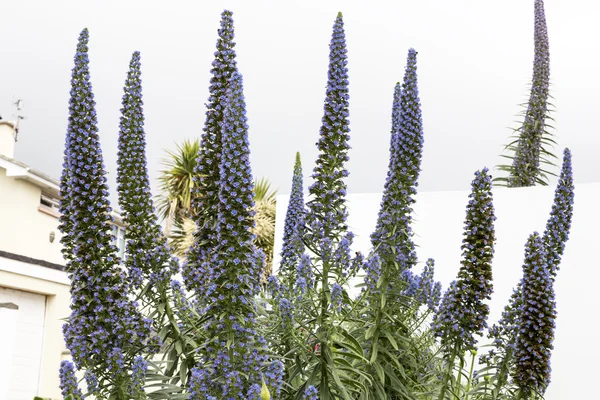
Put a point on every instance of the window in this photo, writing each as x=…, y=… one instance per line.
x=119, y=240
x=48, y=203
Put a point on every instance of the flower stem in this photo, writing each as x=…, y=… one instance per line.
x=470, y=376
x=447, y=374
x=503, y=377
x=459, y=378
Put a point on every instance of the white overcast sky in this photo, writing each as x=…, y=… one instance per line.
x=475, y=61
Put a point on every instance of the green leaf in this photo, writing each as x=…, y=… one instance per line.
x=391, y=339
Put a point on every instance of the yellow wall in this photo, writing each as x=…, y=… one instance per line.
x=25, y=229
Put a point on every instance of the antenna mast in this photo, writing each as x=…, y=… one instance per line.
x=18, y=104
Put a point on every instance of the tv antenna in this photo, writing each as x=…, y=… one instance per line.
x=19, y=105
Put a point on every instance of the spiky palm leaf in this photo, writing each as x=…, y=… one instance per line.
x=181, y=236
x=177, y=182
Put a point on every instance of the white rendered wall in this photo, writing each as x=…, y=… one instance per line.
x=32, y=281
x=439, y=219
x=25, y=229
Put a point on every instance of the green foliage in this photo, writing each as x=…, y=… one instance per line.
x=321, y=341
x=547, y=157
x=178, y=183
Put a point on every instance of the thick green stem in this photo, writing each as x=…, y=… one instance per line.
x=323, y=325
x=460, y=373
x=470, y=375
x=503, y=375
x=447, y=375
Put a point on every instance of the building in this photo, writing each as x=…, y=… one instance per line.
x=34, y=289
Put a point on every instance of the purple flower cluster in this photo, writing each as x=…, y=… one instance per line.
x=555, y=237
x=504, y=333
x=138, y=378
x=274, y=377
x=198, y=272
x=463, y=312
x=423, y=288
x=342, y=257
x=311, y=393
x=559, y=224
x=68, y=381
x=292, y=247
x=103, y=318
x=65, y=204
x=147, y=256
x=525, y=169
x=372, y=269
x=537, y=314
x=91, y=380
x=336, y=297
x=281, y=305
x=329, y=189
x=305, y=274
x=392, y=238
x=198, y=385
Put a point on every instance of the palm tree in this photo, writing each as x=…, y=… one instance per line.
x=177, y=183
x=174, y=204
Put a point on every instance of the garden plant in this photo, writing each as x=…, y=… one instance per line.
x=328, y=322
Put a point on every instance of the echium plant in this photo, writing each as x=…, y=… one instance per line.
x=327, y=205
x=292, y=247
x=463, y=312
x=324, y=273
x=105, y=329
x=288, y=287
x=500, y=360
x=147, y=256
x=558, y=226
x=536, y=322
x=531, y=146
x=148, y=260
x=406, y=147
x=232, y=358
x=198, y=271
x=389, y=307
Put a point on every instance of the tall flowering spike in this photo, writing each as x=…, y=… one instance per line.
x=394, y=153
x=504, y=333
x=411, y=125
x=147, y=257
x=329, y=189
x=235, y=350
x=559, y=223
x=525, y=169
x=104, y=324
x=197, y=273
x=463, y=312
x=235, y=222
x=536, y=323
x=393, y=231
x=65, y=204
x=293, y=247
x=68, y=381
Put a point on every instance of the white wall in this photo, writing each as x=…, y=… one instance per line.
x=33, y=281
x=439, y=226
x=24, y=356
x=25, y=229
